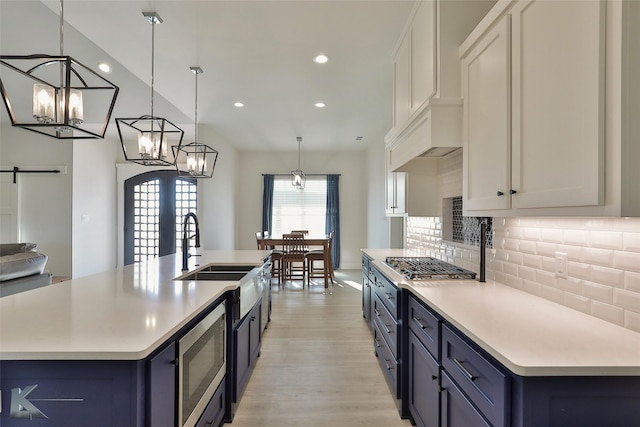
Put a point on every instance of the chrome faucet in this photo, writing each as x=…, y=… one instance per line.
x=186, y=238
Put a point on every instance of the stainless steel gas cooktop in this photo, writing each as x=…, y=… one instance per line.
x=427, y=268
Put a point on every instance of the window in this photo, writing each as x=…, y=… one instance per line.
x=155, y=205
x=299, y=209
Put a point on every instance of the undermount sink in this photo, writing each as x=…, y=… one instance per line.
x=219, y=273
x=215, y=275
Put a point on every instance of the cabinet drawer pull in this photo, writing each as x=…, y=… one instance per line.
x=377, y=312
x=418, y=321
x=389, y=331
x=434, y=377
x=253, y=318
x=377, y=342
x=464, y=370
x=386, y=362
x=499, y=193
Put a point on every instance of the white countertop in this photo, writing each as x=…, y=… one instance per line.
x=123, y=314
x=529, y=335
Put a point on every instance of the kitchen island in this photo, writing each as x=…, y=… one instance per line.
x=98, y=334
x=489, y=354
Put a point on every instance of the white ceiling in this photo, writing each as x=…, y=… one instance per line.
x=259, y=53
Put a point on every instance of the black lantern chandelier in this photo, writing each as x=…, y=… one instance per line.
x=56, y=96
x=145, y=139
x=195, y=160
x=297, y=176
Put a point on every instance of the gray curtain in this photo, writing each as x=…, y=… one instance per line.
x=267, y=202
x=333, y=217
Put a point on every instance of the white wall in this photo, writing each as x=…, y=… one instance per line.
x=377, y=224
x=353, y=194
x=93, y=220
x=44, y=199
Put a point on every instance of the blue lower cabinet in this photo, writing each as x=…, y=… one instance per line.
x=161, y=402
x=72, y=393
x=456, y=410
x=424, y=385
x=214, y=412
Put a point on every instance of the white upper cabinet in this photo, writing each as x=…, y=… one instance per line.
x=427, y=106
x=540, y=80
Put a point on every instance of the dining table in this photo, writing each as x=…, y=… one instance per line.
x=276, y=242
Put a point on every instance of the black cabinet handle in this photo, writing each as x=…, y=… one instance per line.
x=375, y=310
x=175, y=362
x=422, y=325
x=389, y=296
x=253, y=318
x=464, y=370
x=500, y=193
x=512, y=191
x=434, y=377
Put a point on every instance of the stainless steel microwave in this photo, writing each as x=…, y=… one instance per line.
x=201, y=365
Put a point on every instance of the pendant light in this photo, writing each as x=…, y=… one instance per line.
x=145, y=139
x=297, y=176
x=56, y=96
x=195, y=160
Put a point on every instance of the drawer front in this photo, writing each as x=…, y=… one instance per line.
x=388, y=293
x=486, y=387
x=387, y=324
x=214, y=412
x=425, y=325
x=457, y=411
x=387, y=361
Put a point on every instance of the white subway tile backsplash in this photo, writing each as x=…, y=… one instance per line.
x=552, y=294
x=632, y=281
x=575, y=238
x=632, y=321
x=534, y=261
x=603, y=255
x=577, y=302
x=532, y=287
x=604, y=239
x=527, y=273
x=627, y=299
x=569, y=285
x=607, y=276
x=545, y=278
x=596, y=291
x=598, y=256
x=631, y=242
x=579, y=270
x=607, y=312
x=626, y=260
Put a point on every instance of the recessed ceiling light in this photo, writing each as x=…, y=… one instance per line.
x=321, y=59
x=320, y=104
x=104, y=67
x=238, y=104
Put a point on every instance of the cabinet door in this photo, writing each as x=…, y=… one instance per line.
x=457, y=411
x=401, y=85
x=162, y=388
x=423, y=55
x=243, y=358
x=396, y=193
x=424, y=387
x=487, y=133
x=558, y=103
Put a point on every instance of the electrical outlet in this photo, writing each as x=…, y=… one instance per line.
x=561, y=264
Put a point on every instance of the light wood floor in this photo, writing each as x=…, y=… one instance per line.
x=317, y=366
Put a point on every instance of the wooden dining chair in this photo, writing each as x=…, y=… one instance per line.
x=293, y=264
x=317, y=255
